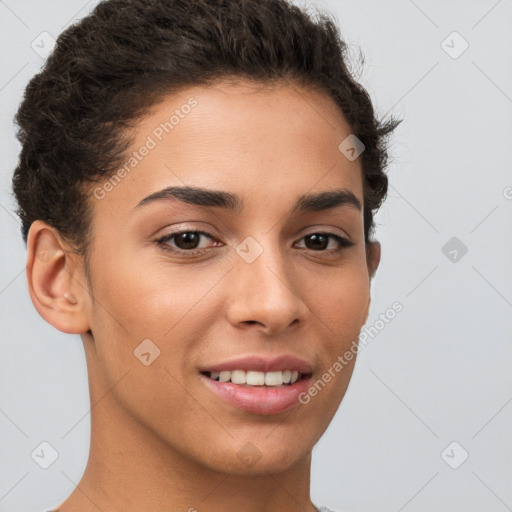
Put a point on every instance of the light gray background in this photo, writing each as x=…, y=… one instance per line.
x=439, y=372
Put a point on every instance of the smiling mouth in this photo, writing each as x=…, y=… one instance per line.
x=257, y=379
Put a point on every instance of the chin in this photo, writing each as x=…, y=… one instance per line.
x=252, y=459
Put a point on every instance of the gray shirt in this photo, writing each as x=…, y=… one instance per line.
x=320, y=509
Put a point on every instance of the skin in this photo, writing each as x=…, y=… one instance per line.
x=160, y=439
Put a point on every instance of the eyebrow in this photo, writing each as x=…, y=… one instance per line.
x=314, y=202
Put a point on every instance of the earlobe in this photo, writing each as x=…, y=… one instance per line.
x=55, y=280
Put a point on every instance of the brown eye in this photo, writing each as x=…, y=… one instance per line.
x=317, y=241
x=183, y=241
x=188, y=240
x=320, y=242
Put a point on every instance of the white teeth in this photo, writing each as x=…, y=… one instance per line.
x=224, y=376
x=238, y=377
x=273, y=378
x=257, y=378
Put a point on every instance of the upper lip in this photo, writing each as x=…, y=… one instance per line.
x=262, y=364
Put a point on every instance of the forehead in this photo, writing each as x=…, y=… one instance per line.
x=250, y=138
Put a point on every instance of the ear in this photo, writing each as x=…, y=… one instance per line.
x=373, y=251
x=56, y=280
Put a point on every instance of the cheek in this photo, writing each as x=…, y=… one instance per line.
x=146, y=309
x=340, y=302
x=341, y=310
x=173, y=306
x=147, y=298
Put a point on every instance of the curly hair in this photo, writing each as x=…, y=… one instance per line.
x=111, y=67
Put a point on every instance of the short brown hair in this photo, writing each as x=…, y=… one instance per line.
x=109, y=68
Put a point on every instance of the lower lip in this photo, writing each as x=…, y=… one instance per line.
x=259, y=400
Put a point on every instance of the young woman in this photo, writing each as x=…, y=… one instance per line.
x=197, y=184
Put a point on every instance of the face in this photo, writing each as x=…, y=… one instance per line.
x=190, y=286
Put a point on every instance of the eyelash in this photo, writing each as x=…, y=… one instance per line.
x=161, y=242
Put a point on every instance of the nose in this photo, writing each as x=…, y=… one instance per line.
x=264, y=294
